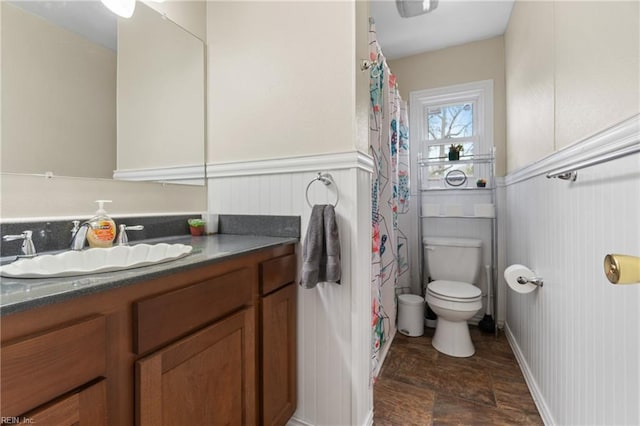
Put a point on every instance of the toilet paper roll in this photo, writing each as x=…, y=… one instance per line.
x=511, y=275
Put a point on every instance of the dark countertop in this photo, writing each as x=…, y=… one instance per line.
x=26, y=293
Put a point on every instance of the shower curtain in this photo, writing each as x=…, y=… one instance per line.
x=389, y=147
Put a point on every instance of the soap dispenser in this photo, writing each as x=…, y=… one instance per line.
x=102, y=229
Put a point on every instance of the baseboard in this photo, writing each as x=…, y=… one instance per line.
x=545, y=413
x=369, y=419
x=294, y=421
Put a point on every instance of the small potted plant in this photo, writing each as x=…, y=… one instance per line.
x=454, y=152
x=481, y=183
x=196, y=227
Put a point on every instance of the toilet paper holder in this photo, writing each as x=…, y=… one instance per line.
x=535, y=281
x=522, y=279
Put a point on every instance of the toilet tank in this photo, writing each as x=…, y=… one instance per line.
x=453, y=259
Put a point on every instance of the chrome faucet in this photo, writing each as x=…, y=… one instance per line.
x=123, y=239
x=78, y=235
x=28, y=249
x=76, y=226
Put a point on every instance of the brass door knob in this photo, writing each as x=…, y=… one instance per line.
x=622, y=269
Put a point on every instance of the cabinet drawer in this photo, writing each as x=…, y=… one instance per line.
x=275, y=273
x=39, y=368
x=85, y=407
x=163, y=318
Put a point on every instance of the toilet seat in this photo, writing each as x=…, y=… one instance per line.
x=454, y=291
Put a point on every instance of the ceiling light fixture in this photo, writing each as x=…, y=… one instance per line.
x=123, y=8
x=410, y=8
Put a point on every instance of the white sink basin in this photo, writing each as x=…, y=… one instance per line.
x=93, y=261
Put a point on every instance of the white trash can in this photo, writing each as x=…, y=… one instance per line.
x=411, y=315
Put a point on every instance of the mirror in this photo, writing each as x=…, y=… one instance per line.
x=87, y=94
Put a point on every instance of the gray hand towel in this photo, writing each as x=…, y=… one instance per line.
x=331, y=270
x=313, y=248
x=321, y=249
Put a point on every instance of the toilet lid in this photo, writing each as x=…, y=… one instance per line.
x=454, y=289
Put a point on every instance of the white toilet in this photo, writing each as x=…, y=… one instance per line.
x=454, y=267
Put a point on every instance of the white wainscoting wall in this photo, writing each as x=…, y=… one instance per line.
x=578, y=337
x=334, y=321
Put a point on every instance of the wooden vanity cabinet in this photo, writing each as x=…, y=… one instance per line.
x=87, y=406
x=207, y=378
x=202, y=346
x=41, y=367
x=278, y=355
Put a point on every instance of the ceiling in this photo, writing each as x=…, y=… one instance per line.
x=454, y=22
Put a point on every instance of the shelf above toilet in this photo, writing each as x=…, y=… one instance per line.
x=441, y=216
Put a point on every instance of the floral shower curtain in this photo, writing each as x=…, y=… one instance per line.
x=389, y=146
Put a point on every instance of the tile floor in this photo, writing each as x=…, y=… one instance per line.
x=420, y=386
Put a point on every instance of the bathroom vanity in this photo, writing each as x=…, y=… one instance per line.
x=207, y=339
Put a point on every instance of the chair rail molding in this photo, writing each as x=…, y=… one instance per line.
x=306, y=163
x=167, y=174
x=619, y=137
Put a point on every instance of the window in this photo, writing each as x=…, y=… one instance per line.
x=453, y=115
x=450, y=124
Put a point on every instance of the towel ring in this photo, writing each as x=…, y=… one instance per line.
x=327, y=180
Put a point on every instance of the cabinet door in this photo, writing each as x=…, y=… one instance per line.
x=207, y=378
x=279, y=362
x=86, y=407
x=39, y=368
